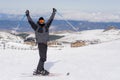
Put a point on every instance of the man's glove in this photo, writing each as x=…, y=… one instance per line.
x=27, y=12
x=54, y=10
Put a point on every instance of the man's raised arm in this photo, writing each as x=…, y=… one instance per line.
x=51, y=17
x=33, y=25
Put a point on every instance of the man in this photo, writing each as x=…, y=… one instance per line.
x=42, y=36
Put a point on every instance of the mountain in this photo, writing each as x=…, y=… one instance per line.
x=63, y=37
x=87, y=37
x=8, y=37
x=10, y=21
x=58, y=25
x=84, y=25
x=10, y=41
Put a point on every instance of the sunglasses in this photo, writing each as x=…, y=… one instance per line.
x=41, y=21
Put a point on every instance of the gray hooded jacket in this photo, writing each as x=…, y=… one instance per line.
x=41, y=33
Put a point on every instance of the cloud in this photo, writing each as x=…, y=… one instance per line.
x=72, y=15
x=90, y=16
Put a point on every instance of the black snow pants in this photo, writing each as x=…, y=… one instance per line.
x=43, y=55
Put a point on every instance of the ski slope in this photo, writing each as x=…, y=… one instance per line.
x=93, y=62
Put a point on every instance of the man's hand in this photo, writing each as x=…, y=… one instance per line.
x=27, y=12
x=54, y=10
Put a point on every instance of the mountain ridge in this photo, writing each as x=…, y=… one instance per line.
x=58, y=25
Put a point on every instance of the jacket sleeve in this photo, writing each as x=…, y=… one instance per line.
x=50, y=19
x=33, y=25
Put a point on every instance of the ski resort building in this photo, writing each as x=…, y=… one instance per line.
x=78, y=43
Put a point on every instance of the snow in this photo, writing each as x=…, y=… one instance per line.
x=31, y=35
x=92, y=62
x=5, y=36
x=92, y=35
x=8, y=40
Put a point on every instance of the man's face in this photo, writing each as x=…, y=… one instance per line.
x=41, y=21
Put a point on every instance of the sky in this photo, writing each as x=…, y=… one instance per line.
x=83, y=9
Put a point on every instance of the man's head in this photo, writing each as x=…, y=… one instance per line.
x=41, y=20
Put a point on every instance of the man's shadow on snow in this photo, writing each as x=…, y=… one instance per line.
x=48, y=65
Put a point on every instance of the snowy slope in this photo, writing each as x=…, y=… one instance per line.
x=92, y=35
x=31, y=35
x=5, y=36
x=88, y=35
x=8, y=40
x=93, y=62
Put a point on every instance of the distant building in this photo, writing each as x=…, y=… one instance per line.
x=78, y=43
x=54, y=44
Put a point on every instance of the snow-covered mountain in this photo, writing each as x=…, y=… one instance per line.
x=8, y=37
x=89, y=36
x=10, y=41
x=98, y=34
